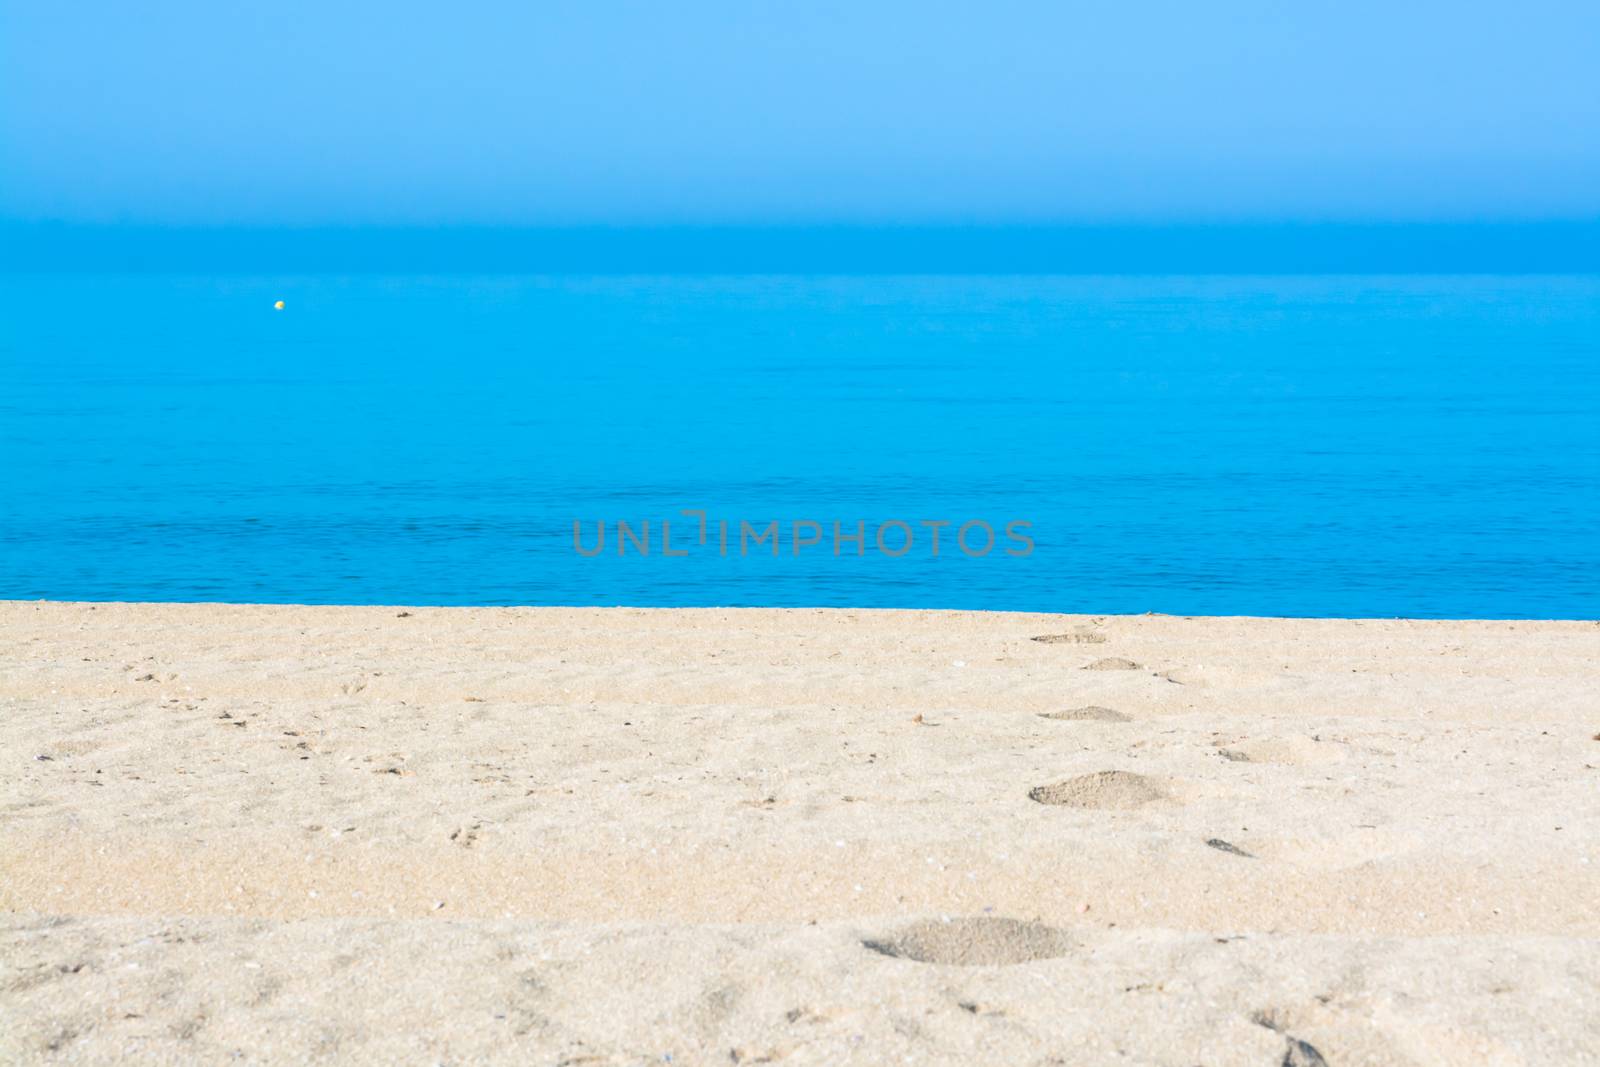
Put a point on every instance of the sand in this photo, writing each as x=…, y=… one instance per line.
x=261, y=834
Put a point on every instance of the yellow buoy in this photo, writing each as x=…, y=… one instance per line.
x=278, y=306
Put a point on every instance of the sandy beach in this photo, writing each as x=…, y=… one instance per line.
x=616, y=836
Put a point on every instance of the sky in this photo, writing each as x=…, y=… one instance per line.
x=208, y=112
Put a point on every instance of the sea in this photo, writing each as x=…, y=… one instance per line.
x=1350, y=445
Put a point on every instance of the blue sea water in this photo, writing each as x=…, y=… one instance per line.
x=1294, y=445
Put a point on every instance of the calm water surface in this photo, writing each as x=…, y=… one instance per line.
x=1368, y=446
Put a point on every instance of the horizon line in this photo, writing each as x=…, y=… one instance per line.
x=1321, y=247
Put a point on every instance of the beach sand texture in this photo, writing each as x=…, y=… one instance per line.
x=573, y=836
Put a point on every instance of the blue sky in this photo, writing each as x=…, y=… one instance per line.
x=315, y=113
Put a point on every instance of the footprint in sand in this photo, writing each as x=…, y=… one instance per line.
x=974, y=942
x=1339, y=849
x=1294, y=751
x=68, y=747
x=1076, y=637
x=1103, y=790
x=1091, y=713
x=1112, y=663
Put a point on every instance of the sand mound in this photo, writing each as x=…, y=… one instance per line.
x=974, y=942
x=1090, y=713
x=1112, y=663
x=1105, y=790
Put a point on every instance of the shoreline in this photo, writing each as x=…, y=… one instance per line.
x=1078, y=616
